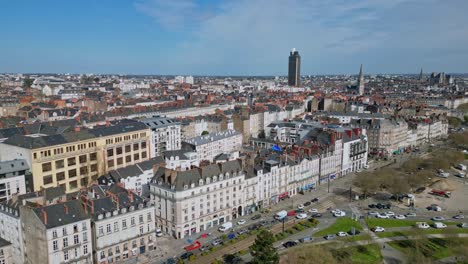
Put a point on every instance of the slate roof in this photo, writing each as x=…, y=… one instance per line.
x=13, y=166
x=56, y=213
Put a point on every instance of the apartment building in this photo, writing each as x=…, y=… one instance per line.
x=165, y=134
x=188, y=202
x=209, y=146
x=355, y=150
x=12, y=178
x=5, y=252
x=10, y=228
x=74, y=159
x=56, y=233
x=122, y=223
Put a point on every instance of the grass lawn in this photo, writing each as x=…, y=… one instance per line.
x=357, y=238
x=423, y=231
x=434, y=248
x=342, y=224
x=388, y=223
x=368, y=254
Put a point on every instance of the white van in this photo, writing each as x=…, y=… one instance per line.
x=281, y=214
x=225, y=227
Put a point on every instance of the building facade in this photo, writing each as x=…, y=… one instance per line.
x=294, y=72
x=12, y=178
x=209, y=146
x=165, y=134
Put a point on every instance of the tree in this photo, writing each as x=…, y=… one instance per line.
x=28, y=82
x=262, y=250
x=204, y=133
x=454, y=121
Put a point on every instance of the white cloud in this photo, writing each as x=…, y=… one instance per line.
x=254, y=36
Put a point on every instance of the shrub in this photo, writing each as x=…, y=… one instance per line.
x=224, y=237
x=192, y=258
x=242, y=252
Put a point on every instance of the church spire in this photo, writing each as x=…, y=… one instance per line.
x=421, y=75
x=361, y=82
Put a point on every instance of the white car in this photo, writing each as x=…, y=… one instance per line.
x=313, y=211
x=339, y=214
x=373, y=213
x=358, y=170
x=459, y=175
x=439, y=225
x=382, y=216
x=241, y=222
x=410, y=215
x=334, y=211
x=378, y=229
x=423, y=225
x=301, y=216
x=159, y=233
x=400, y=217
x=301, y=206
x=366, y=166
x=342, y=234
x=390, y=213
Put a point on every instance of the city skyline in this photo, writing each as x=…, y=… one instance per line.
x=198, y=37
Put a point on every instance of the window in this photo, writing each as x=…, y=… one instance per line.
x=71, y=161
x=134, y=244
x=141, y=219
x=94, y=168
x=85, y=237
x=59, y=164
x=60, y=176
x=55, y=244
x=76, y=239
x=72, y=173
x=84, y=226
x=48, y=179
x=143, y=144
x=110, y=152
x=136, y=156
x=143, y=155
x=110, y=163
x=75, y=228
x=101, y=230
x=54, y=234
x=85, y=249
x=65, y=255
x=64, y=231
x=136, y=147
x=83, y=170
x=46, y=167
x=128, y=158
x=128, y=148
x=93, y=156
x=125, y=247
x=83, y=159
x=142, y=230
x=119, y=161
x=76, y=252
x=116, y=226
x=108, y=228
x=149, y=217
x=132, y=221
x=119, y=150
x=65, y=242
x=124, y=224
x=103, y=255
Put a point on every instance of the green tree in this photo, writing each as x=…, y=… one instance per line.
x=454, y=121
x=28, y=82
x=204, y=133
x=262, y=250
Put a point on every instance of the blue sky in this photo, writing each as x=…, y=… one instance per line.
x=233, y=37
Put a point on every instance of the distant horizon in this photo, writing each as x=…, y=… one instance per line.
x=233, y=38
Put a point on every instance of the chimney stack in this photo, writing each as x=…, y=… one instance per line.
x=65, y=207
x=44, y=215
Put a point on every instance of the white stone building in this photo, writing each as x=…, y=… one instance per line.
x=10, y=229
x=165, y=134
x=12, y=178
x=209, y=146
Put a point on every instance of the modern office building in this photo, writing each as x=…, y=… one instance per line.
x=294, y=74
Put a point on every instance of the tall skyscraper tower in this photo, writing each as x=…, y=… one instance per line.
x=421, y=75
x=360, y=83
x=294, y=74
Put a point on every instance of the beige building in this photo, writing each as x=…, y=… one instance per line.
x=72, y=160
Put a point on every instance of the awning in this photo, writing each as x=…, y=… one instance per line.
x=283, y=195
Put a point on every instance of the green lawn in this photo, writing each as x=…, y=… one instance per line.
x=434, y=248
x=423, y=231
x=368, y=254
x=342, y=224
x=389, y=223
x=357, y=238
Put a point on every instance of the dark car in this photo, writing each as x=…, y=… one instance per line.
x=231, y=259
x=186, y=255
x=256, y=217
x=387, y=206
x=314, y=200
x=307, y=203
x=170, y=261
x=420, y=190
x=289, y=244
x=264, y=223
x=300, y=210
x=204, y=248
x=254, y=227
x=356, y=232
x=371, y=205
x=379, y=206
x=316, y=215
x=242, y=231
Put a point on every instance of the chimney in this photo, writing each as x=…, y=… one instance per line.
x=349, y=133
x=332, y=138
x=107, y=123
x=44, y=215
x=131, y=197
x=65, y=207
x=77, y=129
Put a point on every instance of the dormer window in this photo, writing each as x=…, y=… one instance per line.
x=208, y=180
x=200, y=182
x=221, y=177
x=185, y=187
x=192, y=185
x=214, y=179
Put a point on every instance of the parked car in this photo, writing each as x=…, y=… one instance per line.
x=307, y=203
x=204, y=248
x=373, y=213
x=378, y=229
x=390, y=213
x=291, y=213
x=371, y=205
x=382, y=216
x=241, y=222
x=314, y=200
x=301, y=206
x=313, y=210
x=422, y=225
x=242, y=231
x=387, y=206
x=458, y=217
x=463, y=225
x=356, y=232
x=186, y=255
x=216, y=242
x=316, y=215
x=438, y=218
x=400, y=217
x=329, y=237
x=342, y=234
x=366, y=166
x=159, y=233
x=439, y=225
x=305, y=239
x=301, y=216
x=256, y=217
x=459, y=175
x=420, y=190
x=410, y=215
x=339, y=214
x=289, y=244
x=300, y=210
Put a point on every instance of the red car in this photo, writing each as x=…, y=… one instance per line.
x=291, y=213
x=193, y=246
